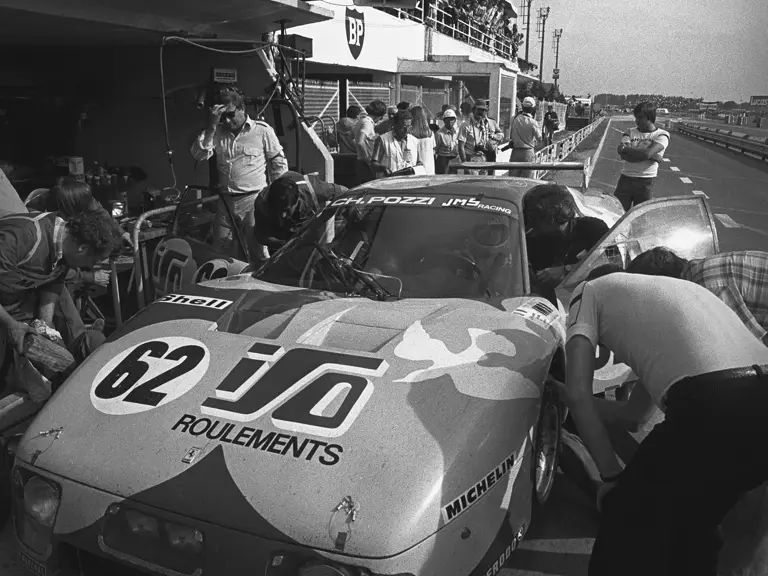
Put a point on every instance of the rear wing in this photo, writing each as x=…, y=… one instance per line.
x=541, y=167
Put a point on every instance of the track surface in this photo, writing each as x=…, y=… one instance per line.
x=561, y=536
x=752, y=130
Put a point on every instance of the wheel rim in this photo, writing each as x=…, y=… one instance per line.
x=546, y=451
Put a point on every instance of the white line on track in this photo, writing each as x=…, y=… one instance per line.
x=686, y=180
x=674, y=169
x=727, y=221
x=596, y=155
x=700, y=193
x=666, y=160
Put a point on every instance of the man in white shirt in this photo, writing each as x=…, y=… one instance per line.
x=642, y=149
x=701, y=365
x=245, y=150
x=397, y=149
x=524, y=135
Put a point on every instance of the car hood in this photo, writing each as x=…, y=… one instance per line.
x=294, y=400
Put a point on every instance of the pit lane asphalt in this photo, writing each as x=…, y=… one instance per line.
x=562, y=532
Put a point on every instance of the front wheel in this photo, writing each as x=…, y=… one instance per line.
x=546, y=448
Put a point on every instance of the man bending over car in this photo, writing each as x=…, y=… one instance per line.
x=740, y=279
x=705, y=370
x=289, y=202
x=556, y=237
x=36, y=252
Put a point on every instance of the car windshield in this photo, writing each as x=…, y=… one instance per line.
x=407, y=246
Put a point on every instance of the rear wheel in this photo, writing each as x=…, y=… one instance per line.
x=546, y=448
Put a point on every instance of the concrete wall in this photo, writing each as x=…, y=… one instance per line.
x=124, y=124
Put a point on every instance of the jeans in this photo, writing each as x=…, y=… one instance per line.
x=632, y=191
x=662, y=518
x=522, y=155
x=223, y=234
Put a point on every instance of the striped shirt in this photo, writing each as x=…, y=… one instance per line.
x=31, y=249
x=740, y=279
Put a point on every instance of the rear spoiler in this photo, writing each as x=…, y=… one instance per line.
x=541, y=167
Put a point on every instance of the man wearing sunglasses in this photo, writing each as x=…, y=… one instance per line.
x=246, y=149
x=288, y=203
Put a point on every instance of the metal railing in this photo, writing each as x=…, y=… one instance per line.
x=732, y=140
x=464, y=29
x=560, y=150
x=538, y=166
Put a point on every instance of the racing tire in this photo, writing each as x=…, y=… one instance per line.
x=546, y=447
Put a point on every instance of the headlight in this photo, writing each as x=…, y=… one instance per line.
x=184, y=538
x=41, y=501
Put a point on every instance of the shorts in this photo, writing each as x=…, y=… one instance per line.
x=632, y=191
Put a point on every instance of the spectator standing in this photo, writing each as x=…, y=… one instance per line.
x=365, y=135
x=740, y=279
x=479, y=135
x=386, y=125
x=524, y=135
x=446, y=142
x=642, y=149
x=345, y=129
x=397, y=149
x=466, y=115
x=425, y=139
x=551, y=124
x=246, y=150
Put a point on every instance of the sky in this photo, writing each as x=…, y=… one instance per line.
x=711, y=49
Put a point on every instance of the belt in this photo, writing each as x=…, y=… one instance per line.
x=732, y=374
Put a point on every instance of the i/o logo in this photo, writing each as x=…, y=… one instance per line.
x=355, y=31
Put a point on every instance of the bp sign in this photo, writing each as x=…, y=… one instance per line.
x=355, y=31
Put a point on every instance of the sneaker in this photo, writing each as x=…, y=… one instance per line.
x=98, y=325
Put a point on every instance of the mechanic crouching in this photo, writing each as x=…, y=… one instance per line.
x=36, y=252
x=288, y=203
x=699, y=364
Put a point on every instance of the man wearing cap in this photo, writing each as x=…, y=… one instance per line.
x=446, y=142
x=524, y=135
x=480, y=135
x=288, y=203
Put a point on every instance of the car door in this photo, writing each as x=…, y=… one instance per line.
x=684, y=224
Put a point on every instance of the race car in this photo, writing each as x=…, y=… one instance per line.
x=371, y=401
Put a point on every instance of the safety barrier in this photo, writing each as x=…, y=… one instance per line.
x=559, y=151
x=732, y=140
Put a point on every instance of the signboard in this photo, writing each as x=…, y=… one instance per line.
x=225, y=75
x=758, y=101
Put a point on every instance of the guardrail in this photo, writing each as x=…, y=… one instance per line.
x=560, y=150
x=730, y=139
x=548, y=167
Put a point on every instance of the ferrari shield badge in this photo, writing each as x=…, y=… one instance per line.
x=355, y=31
x=191, y=455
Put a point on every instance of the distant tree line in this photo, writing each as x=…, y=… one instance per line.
x=662, y=101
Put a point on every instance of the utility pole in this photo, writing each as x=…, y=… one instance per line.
x=527, y=24
x=556, y=40
x=543, y=15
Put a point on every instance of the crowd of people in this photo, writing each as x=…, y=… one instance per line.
x=482, y=23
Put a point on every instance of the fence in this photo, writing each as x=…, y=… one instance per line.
x=441, y=17
x=560, y=150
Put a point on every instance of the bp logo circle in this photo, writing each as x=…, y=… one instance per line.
x=149, y=375
x=355, y=31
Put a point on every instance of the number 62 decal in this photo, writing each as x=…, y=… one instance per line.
x=307, y=390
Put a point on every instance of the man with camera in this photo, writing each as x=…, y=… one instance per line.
x=245, y=150
x=479, y=136
x=397, y=150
